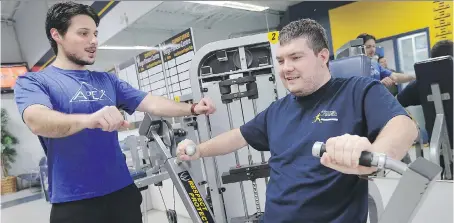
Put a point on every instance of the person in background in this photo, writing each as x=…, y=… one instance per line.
x=385, y=76
x=392, y=88
x=75, y=114
x=384, y=63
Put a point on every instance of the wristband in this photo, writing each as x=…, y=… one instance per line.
x=192, y=109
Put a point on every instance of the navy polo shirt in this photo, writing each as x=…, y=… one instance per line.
x=301, y=189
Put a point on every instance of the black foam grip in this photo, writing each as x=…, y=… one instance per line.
x=364, y=160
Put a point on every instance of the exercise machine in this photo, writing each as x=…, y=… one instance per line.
x=435, y=86
x=416, y=180
x=160, y=135
x=240, y=76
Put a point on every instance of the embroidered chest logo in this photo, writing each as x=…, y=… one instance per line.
x=87, y=92
x=325, y=116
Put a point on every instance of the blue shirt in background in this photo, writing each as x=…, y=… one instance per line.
x=89, y=163
x=378, y=72
x=300, y=188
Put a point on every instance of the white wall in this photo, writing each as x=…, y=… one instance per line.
x=30, y=30
x=10, y=46
x=29, y=150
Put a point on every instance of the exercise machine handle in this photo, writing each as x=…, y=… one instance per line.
x=368, y=159
x=190, y=151
x=364, y=160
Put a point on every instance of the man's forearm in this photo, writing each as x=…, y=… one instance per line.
x=396, y=137
x=225, y=143
x=161, y=106
x=52, y=124
x=402, y=78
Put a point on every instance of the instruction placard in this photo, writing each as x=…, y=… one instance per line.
x=178, y=45
x=148, y=60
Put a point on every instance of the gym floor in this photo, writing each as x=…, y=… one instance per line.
x=38, y=210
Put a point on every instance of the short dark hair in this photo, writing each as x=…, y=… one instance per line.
x=441, y=48
x=59, y=17
x=366, y=37
x=380, y=57
x=308, y=28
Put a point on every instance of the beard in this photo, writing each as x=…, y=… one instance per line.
x=75, y=59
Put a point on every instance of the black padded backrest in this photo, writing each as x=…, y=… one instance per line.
x=436, y=70
x=351, y=66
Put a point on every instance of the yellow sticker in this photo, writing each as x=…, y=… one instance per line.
x=177, y=98
x=273, y=37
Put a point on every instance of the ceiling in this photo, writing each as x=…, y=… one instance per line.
x=171, y=17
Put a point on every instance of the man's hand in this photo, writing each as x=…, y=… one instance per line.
x=343, y=152
x=181, y=151
x=108, y=119
x=388, y=82
x=205, y=107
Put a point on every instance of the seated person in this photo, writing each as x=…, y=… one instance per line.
x=385, y=76
x=409, y=96
x=349, y=114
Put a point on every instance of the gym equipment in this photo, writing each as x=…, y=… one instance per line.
x=411, y=190
x=233, y=73
x=157, y=130
x=434, y=80
x=350, y=49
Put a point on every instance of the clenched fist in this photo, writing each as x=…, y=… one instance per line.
x=388, y=82
x=186, y=146
x=108, y=119
x=343, y=152
x=205, y=107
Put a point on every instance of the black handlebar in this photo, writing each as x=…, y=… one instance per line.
x=365, y=159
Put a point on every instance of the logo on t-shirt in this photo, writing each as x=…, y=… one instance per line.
x=87, y=92
x=325, y=116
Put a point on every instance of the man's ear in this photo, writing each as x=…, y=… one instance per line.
x=324, y=55
x=55, y=35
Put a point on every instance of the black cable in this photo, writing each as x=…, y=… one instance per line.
x=162, y=197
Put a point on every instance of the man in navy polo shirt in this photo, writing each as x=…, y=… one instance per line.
x=350, y=115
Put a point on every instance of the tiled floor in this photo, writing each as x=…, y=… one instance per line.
x=38, y=212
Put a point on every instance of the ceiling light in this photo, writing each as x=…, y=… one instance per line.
x=127, y=48
x=231, y=4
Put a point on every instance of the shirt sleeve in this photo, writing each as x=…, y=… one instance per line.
x=128, y=97
x=384, y=72
x=409, y=96
x=379, y=108
x=255, y=132
x=29, y=90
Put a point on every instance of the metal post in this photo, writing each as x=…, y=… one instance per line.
x=262, y=154
x=237, y=159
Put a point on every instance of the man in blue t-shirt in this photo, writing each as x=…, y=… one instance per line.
x=75, y=113
x=350, y=115
x=385, y=76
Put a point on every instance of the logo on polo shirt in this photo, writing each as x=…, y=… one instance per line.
x=325, y=116
x=87, y=92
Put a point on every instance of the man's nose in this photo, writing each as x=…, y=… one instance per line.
x=287, y=66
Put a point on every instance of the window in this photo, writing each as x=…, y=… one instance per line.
x=411, y=49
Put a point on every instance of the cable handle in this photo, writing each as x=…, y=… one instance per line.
x=366, y=158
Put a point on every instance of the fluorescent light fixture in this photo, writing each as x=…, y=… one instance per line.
x=136, y=47
x=127, y=48
x=232, y=4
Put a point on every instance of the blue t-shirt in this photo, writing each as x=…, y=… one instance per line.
x=300, y=188
x=379, y=72
x=89, y=163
